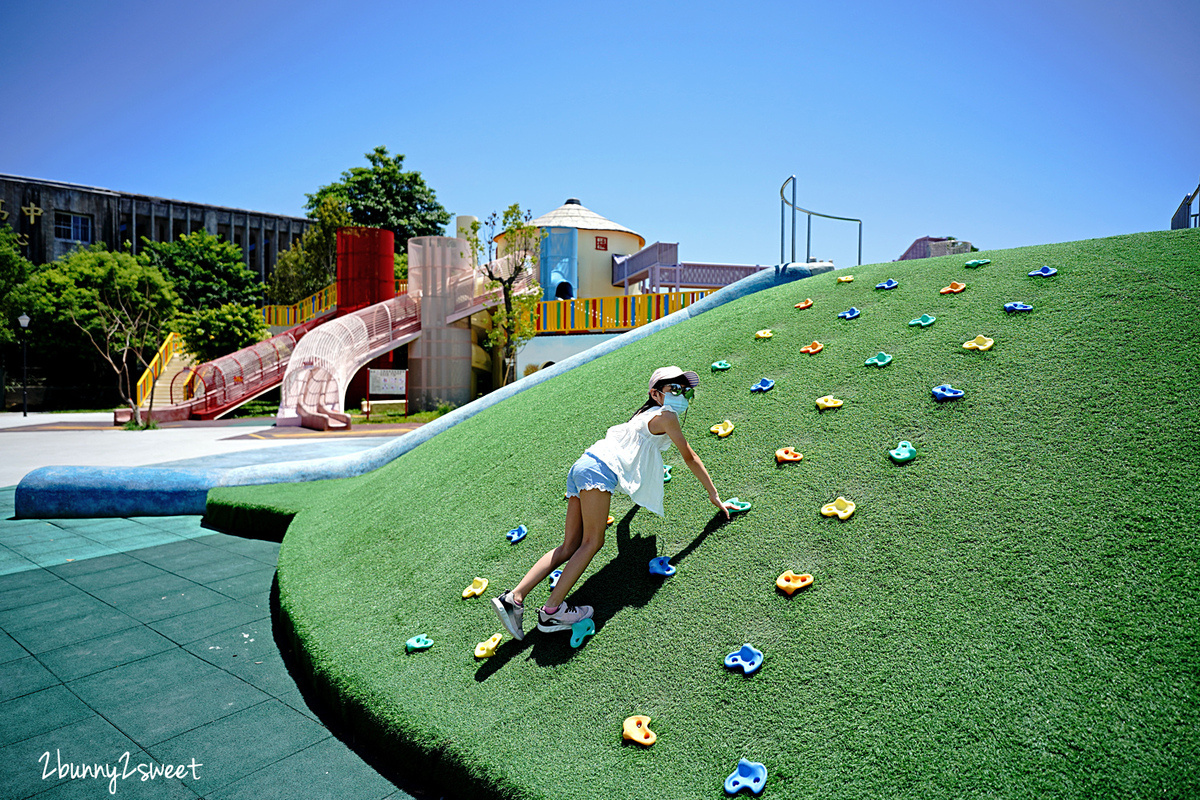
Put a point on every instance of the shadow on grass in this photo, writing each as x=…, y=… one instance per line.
x=624, y=582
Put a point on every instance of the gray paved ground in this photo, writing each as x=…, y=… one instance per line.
x=153, y=637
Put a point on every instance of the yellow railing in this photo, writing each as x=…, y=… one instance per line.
x=598, y=314
x=311, y=306
x=171, y=345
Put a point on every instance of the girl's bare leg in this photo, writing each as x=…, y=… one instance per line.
x=550, y=561
x=593, y=507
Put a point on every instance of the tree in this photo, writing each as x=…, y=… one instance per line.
x=512, y=322
x=209, y=333
x=206, y=272
x=385, y=196
x=120, y=304
x=13, y=269
x=310, y=265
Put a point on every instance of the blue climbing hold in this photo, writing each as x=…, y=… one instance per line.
x=765, y=385
x=890, y=283
x=661, y=566
x=1011, y=307
x=946, y=392
x=1043, y=271
x=581, y=630
x=517, y=534
x=849, y=314
x=554, y=576
x=747, y=659
x=748, y=775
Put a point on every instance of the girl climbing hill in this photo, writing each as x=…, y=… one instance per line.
x=629, y=458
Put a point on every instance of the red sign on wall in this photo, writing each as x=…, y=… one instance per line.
x=602, y=243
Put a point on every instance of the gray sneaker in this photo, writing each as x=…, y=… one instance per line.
x=511, y=615
x=563, y=619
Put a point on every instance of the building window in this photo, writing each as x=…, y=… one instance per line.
x=602, y=243
x=73, y=227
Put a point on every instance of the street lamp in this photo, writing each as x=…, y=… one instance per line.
x=24, y=320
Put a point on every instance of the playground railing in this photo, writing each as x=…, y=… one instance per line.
x=170, y=346
x=312, y=306
x=604, y=314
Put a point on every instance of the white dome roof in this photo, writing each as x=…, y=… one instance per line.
x=572, y=214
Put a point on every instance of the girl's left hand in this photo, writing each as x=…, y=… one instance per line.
x=716, y=501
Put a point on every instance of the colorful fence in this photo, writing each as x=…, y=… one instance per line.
x=599, y=314
x=172, y=345
x=310, y=307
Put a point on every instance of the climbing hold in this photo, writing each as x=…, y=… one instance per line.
x=637, y=729
x=880, y=360
x=1043, y=271
x=980, y=343
x=661, y=566
x=846, y=279
x=476, y=588
x=805, y=303
x=720, y=366
x=667, y=470
x=946, y=392
x=765, y=333
x=787, y=454
x=979, y=262
x=903, y=452
x=925, y=320
x=581, y=630
x=954, y=288
x=790, y=581
x=488, y=649
x=763, y=385
x=747, y=659
x=842, y=507
x=721, y=429
x=420, y=642
x=1011, y=307
x=888, y=284
x=850, y=313
x=828, y=401
x=748, y=775
x=611, y=520
x=812, y=349
x=517, y=534
x=554, y=576
x=736, y=506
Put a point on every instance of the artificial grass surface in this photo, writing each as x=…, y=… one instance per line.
x=1011, y=614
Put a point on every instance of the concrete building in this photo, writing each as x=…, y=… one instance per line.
x=934, y=246
x=51, y=218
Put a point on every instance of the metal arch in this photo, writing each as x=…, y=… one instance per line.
x=785, y=202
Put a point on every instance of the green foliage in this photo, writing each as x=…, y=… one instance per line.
x=13, y=269
x=1011, y=614
x=209, y=333
x=205, y=271
x=385, y=196
x=311, y=264
x=119, y=304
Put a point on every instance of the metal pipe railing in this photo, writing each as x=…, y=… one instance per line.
x=783, y=201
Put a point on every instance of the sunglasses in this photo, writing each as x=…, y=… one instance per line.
x=676, y=389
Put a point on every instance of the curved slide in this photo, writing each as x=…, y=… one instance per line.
x=56, y=492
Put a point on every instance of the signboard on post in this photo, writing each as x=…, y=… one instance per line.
x=388, y=381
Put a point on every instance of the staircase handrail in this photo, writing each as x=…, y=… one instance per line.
x=811, y=214
x=171, y=345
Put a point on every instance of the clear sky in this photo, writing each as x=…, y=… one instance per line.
x=1005, y=123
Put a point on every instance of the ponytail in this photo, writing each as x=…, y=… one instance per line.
x=649, y=404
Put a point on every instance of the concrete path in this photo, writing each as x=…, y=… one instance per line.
x=153, y=637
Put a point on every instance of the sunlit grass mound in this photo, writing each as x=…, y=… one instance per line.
x=1011, y=614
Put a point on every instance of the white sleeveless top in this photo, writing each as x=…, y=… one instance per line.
x=635, y=455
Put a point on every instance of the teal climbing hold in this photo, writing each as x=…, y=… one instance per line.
x=880, y=360
x=419, y=642
x=925, y=320
x=904, y=452
x=581, y=630
x=720, y=366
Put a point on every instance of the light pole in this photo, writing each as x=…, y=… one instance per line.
x=24, y=320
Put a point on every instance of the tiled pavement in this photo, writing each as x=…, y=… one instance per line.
x=153, y=637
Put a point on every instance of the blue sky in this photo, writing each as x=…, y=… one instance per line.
x=1005, y=123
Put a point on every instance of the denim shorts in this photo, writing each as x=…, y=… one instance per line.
x=590, y=472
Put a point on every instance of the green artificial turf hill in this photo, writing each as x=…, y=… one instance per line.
x=1011, y=614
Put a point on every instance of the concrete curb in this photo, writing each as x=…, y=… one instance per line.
x=60, y=492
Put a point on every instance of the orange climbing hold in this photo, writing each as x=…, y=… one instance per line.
x=954, y=288
x=790, y=581
x=812, y=349
x=805, y=303
x=787, y=454
x=637, y=729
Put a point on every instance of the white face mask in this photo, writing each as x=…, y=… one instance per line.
x=675, y=402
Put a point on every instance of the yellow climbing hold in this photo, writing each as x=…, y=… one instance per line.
x=765, y=333
x=488, y=649
x=980, y=343
x=841, y=507
x=828, y=401
x=637, y=729
x=846, y=279
x=476, y=588
x=722, y=429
